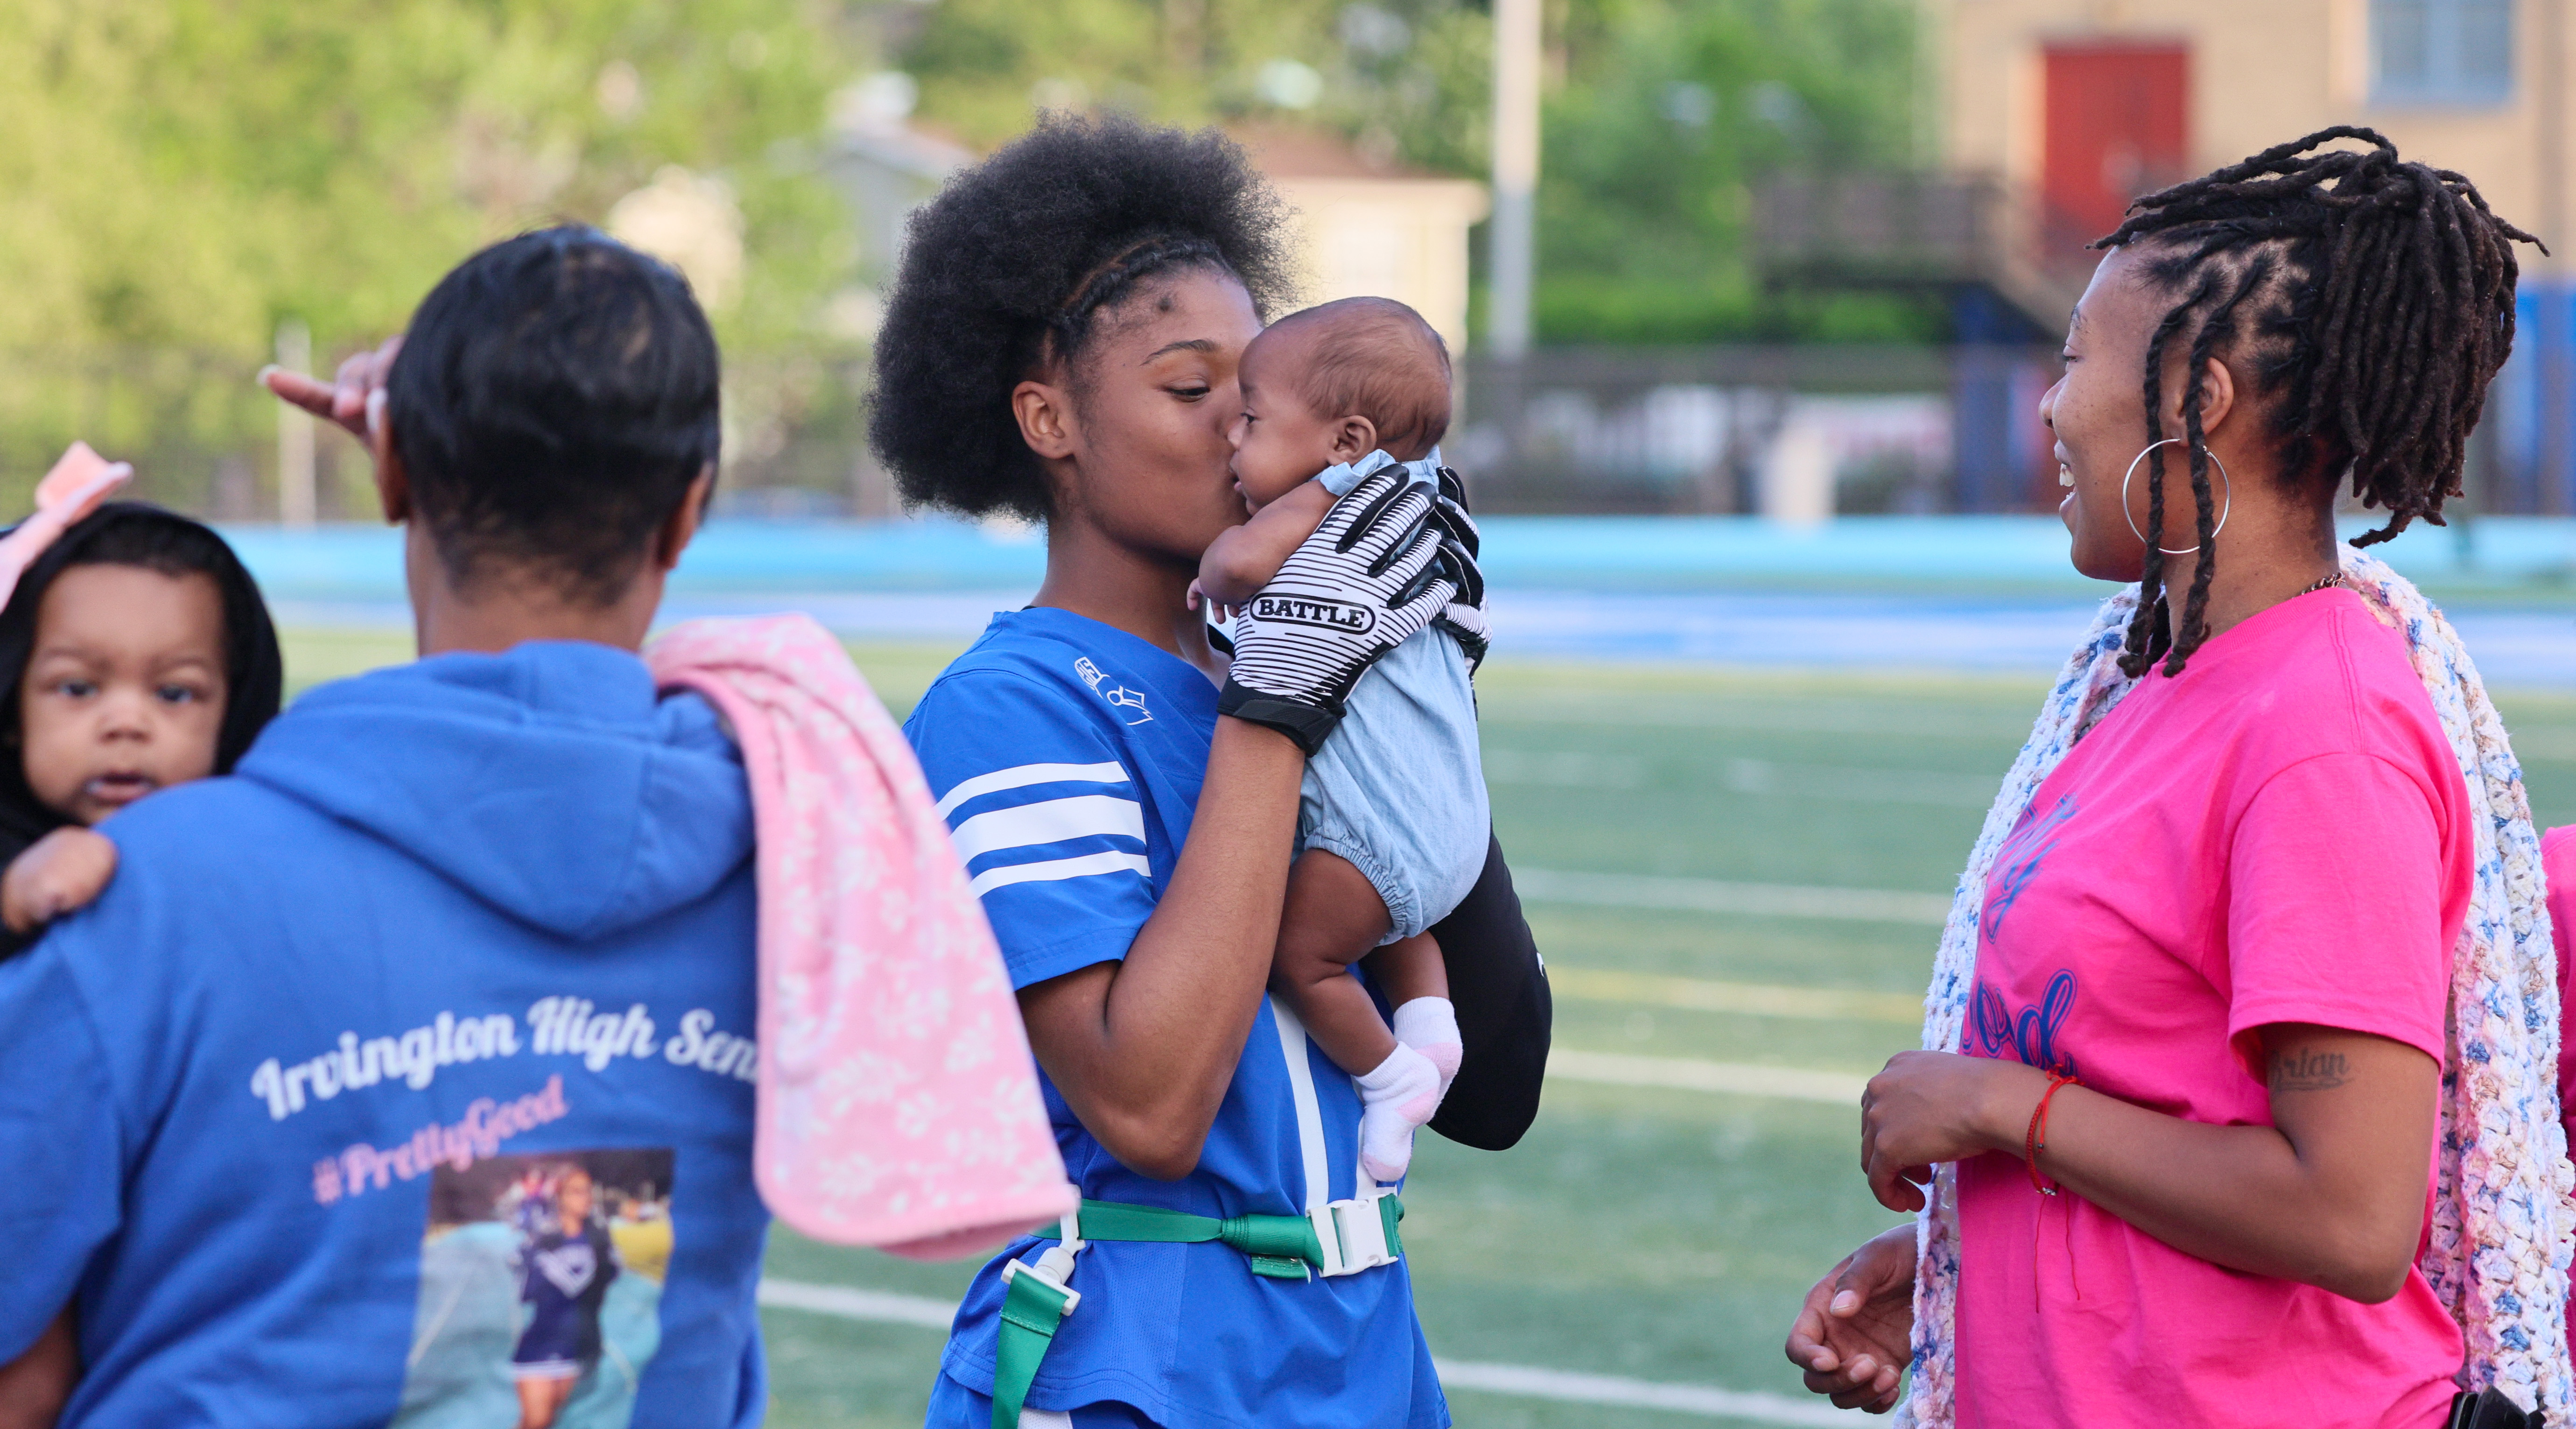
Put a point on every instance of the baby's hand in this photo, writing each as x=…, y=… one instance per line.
x=62, y=871
x=1199, y=597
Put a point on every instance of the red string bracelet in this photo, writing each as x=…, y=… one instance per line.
x=2035, y=1140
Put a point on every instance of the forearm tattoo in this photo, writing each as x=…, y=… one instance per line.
x=2309, y=1070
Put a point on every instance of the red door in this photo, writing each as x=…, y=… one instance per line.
x=2118, y=127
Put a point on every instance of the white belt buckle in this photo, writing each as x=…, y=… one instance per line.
x=1328, y=1236
x=1054, y=1266
x=1045, y=1274
x=1354, y=1234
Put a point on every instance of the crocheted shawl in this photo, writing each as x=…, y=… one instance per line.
x=2498, y=1256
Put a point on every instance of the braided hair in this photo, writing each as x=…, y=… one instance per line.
x=2374, y=296
x=1014, y=266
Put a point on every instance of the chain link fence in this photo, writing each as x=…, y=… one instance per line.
x=201, y=433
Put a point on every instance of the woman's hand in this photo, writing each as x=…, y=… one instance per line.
x=1925, y=1107
x=1357, y=588
x=2331, y=1194
x=354, y=399
x=1854, y=1335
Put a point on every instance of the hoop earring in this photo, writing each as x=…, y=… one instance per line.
x=2133, y=471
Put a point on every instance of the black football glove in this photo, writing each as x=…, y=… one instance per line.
x=1459, y=543
x=1365, y=581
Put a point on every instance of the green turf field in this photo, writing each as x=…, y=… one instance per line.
x=1644, y=1232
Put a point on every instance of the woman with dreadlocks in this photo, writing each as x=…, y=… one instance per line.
x=1062, y=343
x=2238, y=1108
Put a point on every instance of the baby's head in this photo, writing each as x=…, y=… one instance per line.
x=1332, y=384
x=143, y=658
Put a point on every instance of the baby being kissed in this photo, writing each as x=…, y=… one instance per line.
x=1392, y=824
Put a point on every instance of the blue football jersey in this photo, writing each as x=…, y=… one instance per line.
x=1067, y=758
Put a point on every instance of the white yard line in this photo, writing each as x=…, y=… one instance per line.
x=850, y=1303
x=1689, y=1074
x=1744, y=999
x=1709, y=895
x=1699, y=1399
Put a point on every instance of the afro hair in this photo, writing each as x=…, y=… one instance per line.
x=1012, y=262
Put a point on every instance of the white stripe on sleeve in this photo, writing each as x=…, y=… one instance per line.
x=1021, y=776
x=1057, y=869
x=1049, y=821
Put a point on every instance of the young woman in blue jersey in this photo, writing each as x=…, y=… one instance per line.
x=1061, y=344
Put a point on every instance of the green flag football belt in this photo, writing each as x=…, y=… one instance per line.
x=1343, y=1238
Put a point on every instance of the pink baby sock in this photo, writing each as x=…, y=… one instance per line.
x=1429, y=1025
x=1394, y=1099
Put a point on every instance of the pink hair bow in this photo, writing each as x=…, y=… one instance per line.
x=72, y=490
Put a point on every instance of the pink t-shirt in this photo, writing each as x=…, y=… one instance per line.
x=2279, y=835
x=2558, y=870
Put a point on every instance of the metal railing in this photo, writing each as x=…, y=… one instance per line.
x=1703, y=429
x=1922, y=231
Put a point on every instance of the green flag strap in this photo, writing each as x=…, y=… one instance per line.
x=1281, y=1247
x=1363, y=1234
x=1034, y=1304
x=1035, y=1299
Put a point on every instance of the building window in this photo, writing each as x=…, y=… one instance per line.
x=2441, y=51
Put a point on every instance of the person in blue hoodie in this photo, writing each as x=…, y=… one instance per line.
x=440, y=915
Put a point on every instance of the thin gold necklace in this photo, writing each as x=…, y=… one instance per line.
x=2330, y=581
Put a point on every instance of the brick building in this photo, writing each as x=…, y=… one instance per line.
x=2062, y=110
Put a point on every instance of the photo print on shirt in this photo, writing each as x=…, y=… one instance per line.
x=540, y=1291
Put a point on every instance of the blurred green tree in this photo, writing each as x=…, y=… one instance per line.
x=1667, y=115
x=1660, y=113
x=1407, y=79
x=183, y=175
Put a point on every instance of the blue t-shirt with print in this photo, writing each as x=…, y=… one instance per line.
x=271, y=1108
x=1067, y=757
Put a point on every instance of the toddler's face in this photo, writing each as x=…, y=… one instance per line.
x=1278, y=444
x=124, y=691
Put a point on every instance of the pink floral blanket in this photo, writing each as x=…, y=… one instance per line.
x=898, y=1103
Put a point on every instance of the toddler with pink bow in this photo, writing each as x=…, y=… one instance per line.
x=135, y=653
